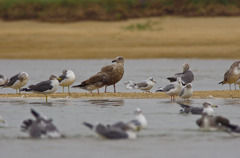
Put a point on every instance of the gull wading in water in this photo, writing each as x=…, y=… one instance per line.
x=145, y=85
x=17, y=81
x=206, y=108
x=140, y=121
x=172, y=89
x=44, y=87
x=66, y=79
x=40, y=127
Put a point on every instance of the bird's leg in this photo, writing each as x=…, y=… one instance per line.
x=230, y=87
x=98, y=90
x=105, y=88
x=171, y=97
x=114, y=87
x=19, y=91
x=63, y=89
x=46, y=98
x=235, y=86
x=69, y=91
x=16, y=91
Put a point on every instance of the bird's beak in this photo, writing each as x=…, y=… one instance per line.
x=59, y=79
x=154, y=81
x=3, y=121
x=215, y=106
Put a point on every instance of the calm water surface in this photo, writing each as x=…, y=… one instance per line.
x=169, y=134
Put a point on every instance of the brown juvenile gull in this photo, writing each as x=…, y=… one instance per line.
x=40, y=127
x=17, y=81
x=115, y=72
x=66, y=79
x=187, y=75
x=44, y=87
x=232, y=75
x=94, y=82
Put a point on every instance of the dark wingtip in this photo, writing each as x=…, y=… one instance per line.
x=221, y=82
x=88, y=125
x=35, y=113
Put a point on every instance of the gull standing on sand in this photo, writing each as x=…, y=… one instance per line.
x=172, y=89
x=3, y=80
x=187, y=75
x=206, y=108
x=145, y=85
x=66, y=79
x=119, y=130
x=232, y=75
x=94, y=82
x=186, y=92
x=44, y=87
x=40, y=127
x=140, y=120
x=17, y=81
x=114, y=71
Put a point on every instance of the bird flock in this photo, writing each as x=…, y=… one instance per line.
x=180, y=85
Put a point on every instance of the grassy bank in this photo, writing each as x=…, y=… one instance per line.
x=75, y=10
x=166, y=37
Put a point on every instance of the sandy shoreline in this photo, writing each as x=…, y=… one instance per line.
x=164, y=37
x=197, y=95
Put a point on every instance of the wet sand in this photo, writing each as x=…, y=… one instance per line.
x=164, y=37
x=196, y=95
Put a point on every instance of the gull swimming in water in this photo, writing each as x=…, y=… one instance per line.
x=206, y=108
x=145, y=85
x=232, y=75
x=186, y=92
x=187, y=75
x=66, y=79
x=3, y=80
x=140, y=121
x=94, y=82
x=114, y=71
x=44, y=87
x=172, y=89
x=119, y=130
x=17, y=81
x=40, y=127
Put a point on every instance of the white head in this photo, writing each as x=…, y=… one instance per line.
x=151, y=79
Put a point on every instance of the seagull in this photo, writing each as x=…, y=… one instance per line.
x=210, y=122
x=66, y=79
x=94, y=82
x=40, y=127
x=17, y=81
x=3, y=80
x=44, y=87
x=140, y=120
x=232, y=75
x=119, y=130
x=172, y=89
x=186, y=92
x=187, y=75
x=145, y=85
x=115, y=72
x=206, y=108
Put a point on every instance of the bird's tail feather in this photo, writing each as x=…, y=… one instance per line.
x=88, y=125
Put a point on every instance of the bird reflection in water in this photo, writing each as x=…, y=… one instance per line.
x=106, y=102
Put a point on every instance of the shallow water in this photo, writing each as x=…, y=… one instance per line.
x=169, y=134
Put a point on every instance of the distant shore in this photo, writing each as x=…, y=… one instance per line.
x=197, y=95
x=164, y=37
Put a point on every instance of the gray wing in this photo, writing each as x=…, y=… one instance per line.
x=110, y=132
x=187, y=77
x=182, y=91
x=168, y=87
x=13, y=80
x=174, y=78
x=41, y=86
x=196, y=110
x=142, y=84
